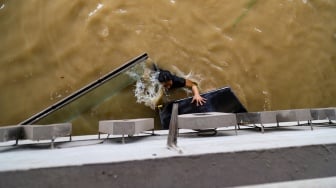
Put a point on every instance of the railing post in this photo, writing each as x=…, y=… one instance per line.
x=172, y=136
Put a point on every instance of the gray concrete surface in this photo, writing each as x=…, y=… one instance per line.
x=207, y=170
x=225, y=160
x=328, y=182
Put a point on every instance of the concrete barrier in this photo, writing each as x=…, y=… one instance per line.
x=8, y=133
x=126, y=126
x=47, y=132
x=303, y=115
x=257, y=118
x=323, y=114
x=285, y=116
x=270, y=117
x=208, y=120
x=295, y=115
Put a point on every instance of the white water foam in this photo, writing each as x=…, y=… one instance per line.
x=148, y=89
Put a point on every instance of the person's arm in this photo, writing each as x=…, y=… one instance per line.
x=197, y=97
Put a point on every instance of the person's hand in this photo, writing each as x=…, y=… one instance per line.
x=199, y=100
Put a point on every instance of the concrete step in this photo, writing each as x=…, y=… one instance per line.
x=209, y=120
x=35, y=132
x=8, y=133
x=219, y=161
x=47, y=132
x=323, y=113
x=127, y=127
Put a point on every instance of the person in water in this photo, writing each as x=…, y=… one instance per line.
x=170, y=81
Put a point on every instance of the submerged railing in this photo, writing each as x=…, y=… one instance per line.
x=90, y=95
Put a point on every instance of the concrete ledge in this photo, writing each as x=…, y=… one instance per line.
x=218, y=161
x=198, y=171
x=257, y=117
x=126, y=127
x=323, y=114
x=10, y=133
x=293, y=115
x=261, y=118
x=47, y=132
x=207, y=120
x=285, y=116
x=303, y=115
x=271, y=117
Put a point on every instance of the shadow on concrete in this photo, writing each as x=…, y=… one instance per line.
x=128, y=139
x=47, y=145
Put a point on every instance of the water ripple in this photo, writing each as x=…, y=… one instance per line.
x=99, y=6
x=2, y=6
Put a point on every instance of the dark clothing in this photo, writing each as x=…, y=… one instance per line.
x=178, y=82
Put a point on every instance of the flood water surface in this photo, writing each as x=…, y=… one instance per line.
x=275, y=54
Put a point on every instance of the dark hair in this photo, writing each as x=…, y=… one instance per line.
x=165, y=76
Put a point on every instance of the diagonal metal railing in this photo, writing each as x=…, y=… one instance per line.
x=122, y=80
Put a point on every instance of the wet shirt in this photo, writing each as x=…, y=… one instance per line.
x=178, y=82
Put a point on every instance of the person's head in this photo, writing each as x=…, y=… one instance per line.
x=165, y=78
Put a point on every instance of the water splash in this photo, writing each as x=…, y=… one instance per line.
x=148, y=89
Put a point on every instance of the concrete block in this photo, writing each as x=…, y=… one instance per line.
x=126, y=126
x=293, y=115
x=208, y=120
x=323, y=113
x=303, y=114
x=8, y=133
x=46, y=132
x=285, y=116
x=257, y=117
